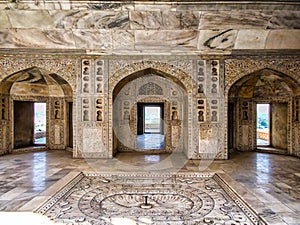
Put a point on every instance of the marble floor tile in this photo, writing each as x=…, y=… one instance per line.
x=12, y=194
x=271, y=181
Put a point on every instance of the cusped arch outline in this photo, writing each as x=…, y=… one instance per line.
x=65, y=68
x=172, y=71
x=237, y=69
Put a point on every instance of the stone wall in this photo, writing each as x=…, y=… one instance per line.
x=201, y=80
x=203, y=84
x=97, y=47
x=139, y=26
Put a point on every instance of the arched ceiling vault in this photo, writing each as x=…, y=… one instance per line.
x=265, y=83
x=35, y=81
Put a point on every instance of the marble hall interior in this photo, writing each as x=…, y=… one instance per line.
x=150, y=112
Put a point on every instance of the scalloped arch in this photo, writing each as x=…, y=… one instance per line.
x=64, y=67
x=161, y=67
x=235, y=69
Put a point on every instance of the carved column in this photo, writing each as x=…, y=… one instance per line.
x=57, y=123
x=91, y=110
x=296, y=127
x=4, y=125
x=245, y=123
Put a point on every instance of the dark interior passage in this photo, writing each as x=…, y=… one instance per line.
x=23, y=124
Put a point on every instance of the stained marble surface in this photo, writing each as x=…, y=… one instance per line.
x=149, y=26
x=269, y=183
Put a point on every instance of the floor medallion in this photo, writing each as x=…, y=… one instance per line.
x=147, y=198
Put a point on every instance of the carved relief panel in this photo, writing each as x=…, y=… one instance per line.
x=57, y=111
x=99, y=76
x=209, y=102
x=86, y=72
x=3, y=108
x=99, y=110
x=201, y=84
x=57, y=125
x=214, y=73
x=296, y=127
x=214, y=108
x=4, y=125
x=201, y=109
x=91, y=108
x=246, y=140
x=296, y=110
x=86, y=114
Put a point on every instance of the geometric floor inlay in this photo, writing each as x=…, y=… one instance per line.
x=187, y=198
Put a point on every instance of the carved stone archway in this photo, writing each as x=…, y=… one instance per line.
x=161, y=69
x=235, y=69
x=238, y=69
x=62, y=71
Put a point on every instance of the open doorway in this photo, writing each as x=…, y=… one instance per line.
x=150, y=129
x=39, y=123
x=29, y=124
x=263, y=124
x=271, y=126
x=263, y=112
x=152, y=121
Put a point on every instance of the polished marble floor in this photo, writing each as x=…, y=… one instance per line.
x=150, y=141
x=269, y=183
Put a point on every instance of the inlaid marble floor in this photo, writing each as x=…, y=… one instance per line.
x=269, y=183
x=143, y=198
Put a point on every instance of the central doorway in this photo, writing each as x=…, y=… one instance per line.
x=150, y=126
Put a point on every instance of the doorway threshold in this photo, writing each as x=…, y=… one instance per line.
x=272, y=150
x=30, y=149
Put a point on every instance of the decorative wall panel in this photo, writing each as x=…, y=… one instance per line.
x=86, y=76
x=99, y=76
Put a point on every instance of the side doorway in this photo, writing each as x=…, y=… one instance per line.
x=29, y=124
x=272, y=126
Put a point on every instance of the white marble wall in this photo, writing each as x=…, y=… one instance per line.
x=96, y=31
x=145, y=27
x=197, y=139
